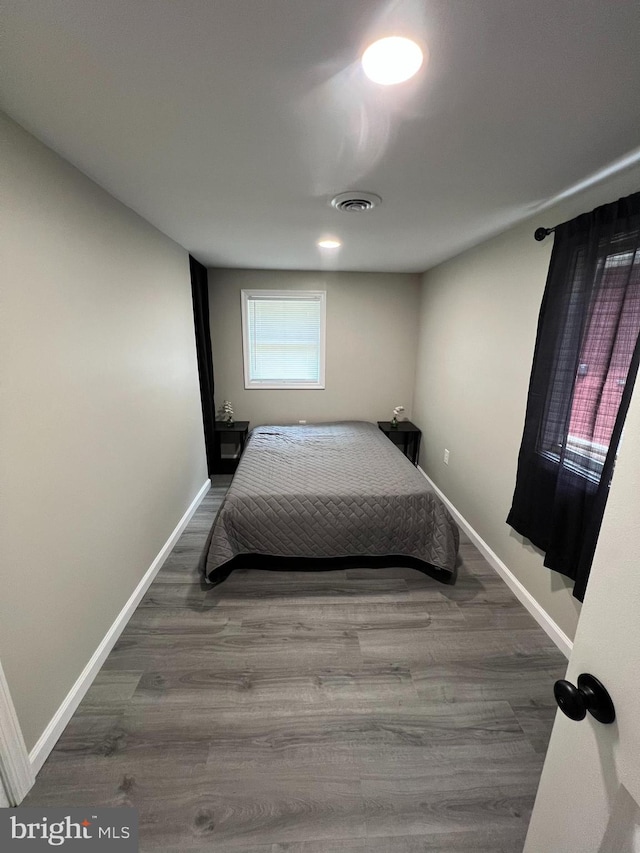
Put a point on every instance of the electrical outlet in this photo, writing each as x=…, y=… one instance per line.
x=302, y=422
x=446, y=457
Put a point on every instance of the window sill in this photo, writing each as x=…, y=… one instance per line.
x=572, y=465
x=263, y=386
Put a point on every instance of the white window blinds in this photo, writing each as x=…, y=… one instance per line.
x=283, y=338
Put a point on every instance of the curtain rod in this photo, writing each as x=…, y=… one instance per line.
x=541, y=233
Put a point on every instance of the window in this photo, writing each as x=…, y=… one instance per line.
x=610, y=329
x=283, y=338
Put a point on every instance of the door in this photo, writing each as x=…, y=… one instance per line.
x=589, y=794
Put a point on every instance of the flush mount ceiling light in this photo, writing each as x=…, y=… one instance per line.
x=328, y=244
x=391, y=60
x=355, y=201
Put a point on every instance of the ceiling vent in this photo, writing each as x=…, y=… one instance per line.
x=355, y=201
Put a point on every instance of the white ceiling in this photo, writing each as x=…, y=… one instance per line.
x=229, y=124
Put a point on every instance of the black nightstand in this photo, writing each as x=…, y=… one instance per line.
x=234, y=435
x=406, y=436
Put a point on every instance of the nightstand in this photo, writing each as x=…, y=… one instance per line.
x=231, y=437
x=406, y=436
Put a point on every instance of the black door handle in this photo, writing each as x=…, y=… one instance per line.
x=590, y=695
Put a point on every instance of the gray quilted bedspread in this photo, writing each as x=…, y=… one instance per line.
x=330, y=490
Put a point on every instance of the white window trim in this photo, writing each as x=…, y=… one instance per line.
x=246, y=295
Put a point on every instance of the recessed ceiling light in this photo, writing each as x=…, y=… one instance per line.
x=329, y=244
x=391, y=60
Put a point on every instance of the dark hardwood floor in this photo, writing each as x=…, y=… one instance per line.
x=357, y=710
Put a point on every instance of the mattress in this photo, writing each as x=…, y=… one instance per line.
x=327, y=491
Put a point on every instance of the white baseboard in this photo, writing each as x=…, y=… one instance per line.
x=521, y=592
x=16, y=773
x=49, y=737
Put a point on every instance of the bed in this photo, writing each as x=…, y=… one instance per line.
x=324, y=496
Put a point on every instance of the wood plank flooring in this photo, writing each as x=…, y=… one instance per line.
x=358, y=710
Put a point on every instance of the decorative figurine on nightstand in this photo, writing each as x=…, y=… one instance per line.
x=397, y=411
x=227, y=412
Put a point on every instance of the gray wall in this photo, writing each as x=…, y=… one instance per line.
x=371, y=339
x=102, y=448
x=478, y=321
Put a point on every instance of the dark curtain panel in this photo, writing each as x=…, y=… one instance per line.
x=584, y=367
x=200, y=296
